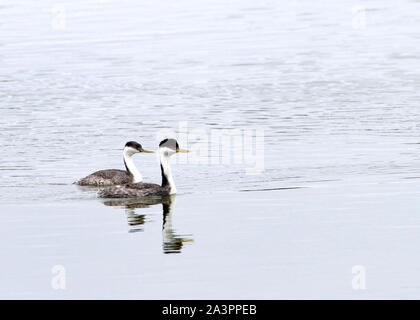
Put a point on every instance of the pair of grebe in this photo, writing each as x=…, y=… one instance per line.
x=129, y=183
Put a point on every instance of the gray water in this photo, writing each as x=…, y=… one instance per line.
x=334, y=87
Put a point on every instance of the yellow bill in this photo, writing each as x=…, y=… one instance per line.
x=182, y=150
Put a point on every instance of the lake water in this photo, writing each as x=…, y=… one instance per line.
x=332, y=85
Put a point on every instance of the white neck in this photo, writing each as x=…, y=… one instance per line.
x=166, y=172
x=129, y=163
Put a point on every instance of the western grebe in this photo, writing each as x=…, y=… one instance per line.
x=114, y=176
x=167, y=148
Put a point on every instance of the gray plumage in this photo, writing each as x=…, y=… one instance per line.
x=134, y=190
x=106, y=178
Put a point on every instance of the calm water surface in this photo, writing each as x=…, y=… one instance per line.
x=333, y=86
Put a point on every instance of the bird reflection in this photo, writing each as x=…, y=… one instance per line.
x=171, y=241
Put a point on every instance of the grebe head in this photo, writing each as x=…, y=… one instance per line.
x=169, y=147
x=132, y=147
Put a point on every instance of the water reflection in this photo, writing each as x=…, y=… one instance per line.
x=171, y=241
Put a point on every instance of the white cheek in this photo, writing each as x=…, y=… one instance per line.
x=130, y=151
x=167, y=151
